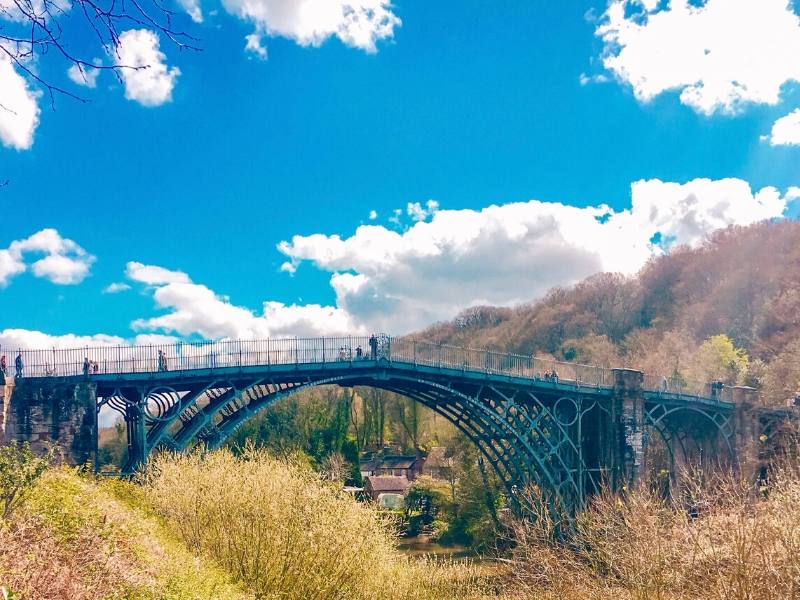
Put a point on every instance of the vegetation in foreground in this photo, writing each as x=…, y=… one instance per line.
x=253, y=526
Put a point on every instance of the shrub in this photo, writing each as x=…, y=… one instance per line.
x=19, y=470
x=285, y=533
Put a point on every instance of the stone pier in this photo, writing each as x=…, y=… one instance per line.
x=630, y=435
x=46, y=412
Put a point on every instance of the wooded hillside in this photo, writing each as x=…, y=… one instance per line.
x=729, y=309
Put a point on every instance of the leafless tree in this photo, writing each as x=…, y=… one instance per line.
x=30, y=29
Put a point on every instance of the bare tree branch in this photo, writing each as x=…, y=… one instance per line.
x=33, y=28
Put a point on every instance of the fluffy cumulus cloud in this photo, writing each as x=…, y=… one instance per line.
x=357, y=23
x=194, y=309
x=49, y=256
x=786, y=130
x=147, y=78
x=19, y=108
x=400, y=281
x=720, y=54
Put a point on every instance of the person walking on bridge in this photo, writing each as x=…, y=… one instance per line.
x=373, y=347
x=18, y=365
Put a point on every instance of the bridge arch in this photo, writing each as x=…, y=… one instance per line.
x=517, y=433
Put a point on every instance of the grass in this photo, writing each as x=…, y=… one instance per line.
x=227, y=527
x=743, y=546
x=80, y=539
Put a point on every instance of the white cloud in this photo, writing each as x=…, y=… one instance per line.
x=719, y=56
x=255, y=45
x=21, y=339
x=192, y=8
x=503, y=255
x=417, y=212
x=12, y=340
x=61, y=269
x=357, y=23
x=154, y=275
x=194, y=309
x=19, y=110
x=373, y=214
x=83, y=75
x=11, y=264
x=148, y=80
x=786, y=130
x=116, y=288
x=64, y=263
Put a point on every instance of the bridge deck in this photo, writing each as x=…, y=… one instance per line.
x=230, y=359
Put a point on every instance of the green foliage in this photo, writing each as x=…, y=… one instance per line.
x=426, y=500
x=719, y=358
x=19, y=470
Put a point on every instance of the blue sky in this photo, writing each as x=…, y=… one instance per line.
x=469, y=104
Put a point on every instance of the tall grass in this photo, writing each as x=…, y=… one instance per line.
x=77, y=539
x=285, y=533
x=742, y=546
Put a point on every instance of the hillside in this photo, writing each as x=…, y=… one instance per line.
x=728, y=309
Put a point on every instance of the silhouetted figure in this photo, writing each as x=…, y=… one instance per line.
x=359, y=353
x=162, y=361
x=86, y=366
x=3, y=365
x=18, y=365
x=95, y=367
x=373, y=347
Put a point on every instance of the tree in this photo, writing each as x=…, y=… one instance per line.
x=719, y=358
x=19, y=470
x=30, y=29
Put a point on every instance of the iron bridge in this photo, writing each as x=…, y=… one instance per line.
x=564, y=427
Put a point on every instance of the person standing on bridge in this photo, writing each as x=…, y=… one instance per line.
x=162, y=361
x=3, y=365
x=373, y=347
x=86, y=366
x=18, y=365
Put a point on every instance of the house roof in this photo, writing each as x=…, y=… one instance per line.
x=397, y=462
x=387, y=483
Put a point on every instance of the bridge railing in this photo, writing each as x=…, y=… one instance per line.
x=186, y=356
x=533, y=367
x=680, y=386
x=183, y=356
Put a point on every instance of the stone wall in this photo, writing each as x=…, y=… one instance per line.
x=44, y=412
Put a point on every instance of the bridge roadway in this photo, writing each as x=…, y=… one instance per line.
x=567, y=434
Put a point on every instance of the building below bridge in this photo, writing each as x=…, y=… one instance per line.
x=387, y=490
